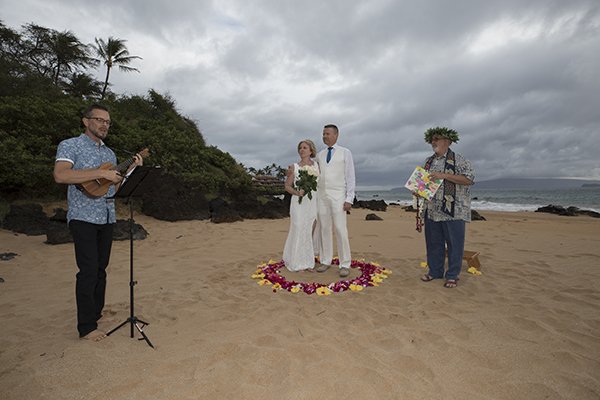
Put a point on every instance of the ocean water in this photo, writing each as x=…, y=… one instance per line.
x=506, y=199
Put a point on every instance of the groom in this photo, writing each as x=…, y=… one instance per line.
x=335, y=195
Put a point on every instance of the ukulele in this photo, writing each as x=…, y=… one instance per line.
x=98, y=187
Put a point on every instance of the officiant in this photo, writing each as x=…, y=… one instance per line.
x=447, y=213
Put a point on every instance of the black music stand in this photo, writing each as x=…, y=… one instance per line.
x=135, y=185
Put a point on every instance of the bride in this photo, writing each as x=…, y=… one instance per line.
x=298, y=253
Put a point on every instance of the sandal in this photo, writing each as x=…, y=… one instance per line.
x=427, y=278
x=451, y=283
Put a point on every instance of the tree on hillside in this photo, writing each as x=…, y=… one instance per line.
x=68, y=54
x=274, y=170
x=82, y=86
x=114, y=52
x=54, y=54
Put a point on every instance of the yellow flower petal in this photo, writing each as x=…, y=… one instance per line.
x=375, y=264
x=356, y=288
x=386, y=271
x=424, y=265
x=258, y=276
x=264, y=282
x=276, y=286
x=474, y=271
x=295, y=290
x=323, y=291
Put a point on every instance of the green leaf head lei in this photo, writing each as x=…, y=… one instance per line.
x=449, y=134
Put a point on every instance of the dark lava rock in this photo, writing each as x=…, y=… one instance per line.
x=569, y=211
x=249, y=207
x=373, y=217
x=221, y=212
x=7, y=256
x=375, y=205
x=475, y=216
x=560, y=210
x=170, y=200
x=27, y=218
x=31, y=220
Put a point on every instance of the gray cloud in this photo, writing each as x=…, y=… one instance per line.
x=517, y=81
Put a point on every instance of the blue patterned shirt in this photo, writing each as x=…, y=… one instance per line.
x=462, y=198
x=84, y=153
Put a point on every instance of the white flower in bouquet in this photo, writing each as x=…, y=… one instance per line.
x=311, y=170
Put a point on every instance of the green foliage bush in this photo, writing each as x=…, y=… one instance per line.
x=31, y=127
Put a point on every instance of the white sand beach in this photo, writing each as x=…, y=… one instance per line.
x=526, y=328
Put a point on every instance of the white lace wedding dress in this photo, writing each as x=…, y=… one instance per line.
x=299, y=251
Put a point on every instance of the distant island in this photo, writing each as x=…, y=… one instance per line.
x=532, y=184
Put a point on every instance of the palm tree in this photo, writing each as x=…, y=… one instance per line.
x=82, y=86
x=68, y=54
x=51, y=53
x=114, y=52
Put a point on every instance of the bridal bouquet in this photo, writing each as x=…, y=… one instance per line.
x=307, y=180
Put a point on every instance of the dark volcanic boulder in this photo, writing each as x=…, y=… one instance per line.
x=569, y=211
x=220, y=212
x=27, y=218
x=475, y=216
x=373, y=217
x=375, y=205
x=170, y=200
x=122, y=228
x=560, y=210
x=59, y=233
x=250, y=207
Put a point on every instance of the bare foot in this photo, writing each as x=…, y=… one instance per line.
x=108, y=319
x=301, y=271
x=310, y=270
x=451, y=283
x=94, y=335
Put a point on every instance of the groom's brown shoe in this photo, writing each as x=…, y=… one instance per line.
x=344, y=272
x=323, y=268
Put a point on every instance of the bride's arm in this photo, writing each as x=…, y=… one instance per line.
x=289, y=186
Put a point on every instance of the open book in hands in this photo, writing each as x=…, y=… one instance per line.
x=421, y=184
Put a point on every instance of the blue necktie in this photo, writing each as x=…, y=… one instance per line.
x=329, y=154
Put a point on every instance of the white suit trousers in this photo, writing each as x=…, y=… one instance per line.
x=332, y=210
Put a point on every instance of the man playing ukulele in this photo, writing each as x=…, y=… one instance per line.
x=90, y=219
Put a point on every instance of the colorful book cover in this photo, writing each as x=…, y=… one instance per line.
x=420, y=183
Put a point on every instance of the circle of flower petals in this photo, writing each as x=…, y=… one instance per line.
x=372, y=274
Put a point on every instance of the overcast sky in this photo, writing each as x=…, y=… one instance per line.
x=518, y=80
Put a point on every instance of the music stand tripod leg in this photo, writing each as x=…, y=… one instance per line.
x=132, y=319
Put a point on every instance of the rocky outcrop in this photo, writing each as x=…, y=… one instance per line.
x=27, y=218
x=170, y=199
x=375, y=205
x=476, y=217
x=248, y=207
x=569, y=211
x=31, y=220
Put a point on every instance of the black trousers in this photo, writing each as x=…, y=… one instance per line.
x=93, y=244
